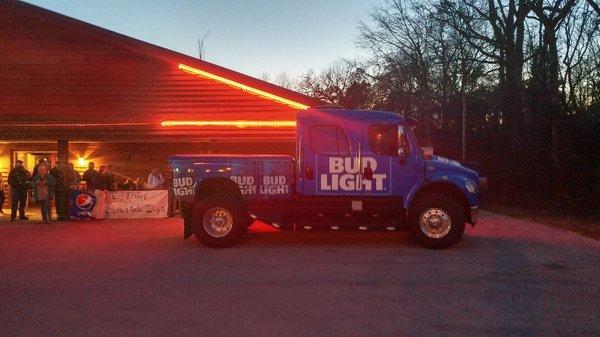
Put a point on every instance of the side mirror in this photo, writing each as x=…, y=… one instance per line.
x=427, y=152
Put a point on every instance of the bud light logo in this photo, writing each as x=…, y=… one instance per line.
x=84, y=202
x=338, y=175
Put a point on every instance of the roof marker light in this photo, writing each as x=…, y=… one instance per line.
x=258, y=92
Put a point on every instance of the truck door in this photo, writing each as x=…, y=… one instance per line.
x=387, y=171
x=328, y=163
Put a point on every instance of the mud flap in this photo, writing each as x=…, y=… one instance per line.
x=187, y=224
x=474, y=215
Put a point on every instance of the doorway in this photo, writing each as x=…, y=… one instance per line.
x=31, y=158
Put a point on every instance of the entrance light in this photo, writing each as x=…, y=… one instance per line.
x=81, y=162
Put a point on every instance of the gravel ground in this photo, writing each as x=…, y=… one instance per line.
x=507, y=277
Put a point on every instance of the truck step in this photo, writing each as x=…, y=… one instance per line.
x=347, y=227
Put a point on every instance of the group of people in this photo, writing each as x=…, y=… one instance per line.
x=104, y=179
x=49, y=183
x=43, y=182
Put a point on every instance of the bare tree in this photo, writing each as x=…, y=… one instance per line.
x=545, y=78
x=496, y=29
x=340, y=84
x=580, y=34
x=284, y=80
x=400, y=41
x=595, y=6
x=202, y=45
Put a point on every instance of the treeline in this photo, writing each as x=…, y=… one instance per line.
x=526, y=75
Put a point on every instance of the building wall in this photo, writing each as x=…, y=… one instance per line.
x=69, y=80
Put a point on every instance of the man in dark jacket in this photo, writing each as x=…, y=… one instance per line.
x=109, y=179
x=91, y=177
x=73, y=178
x=19, y=180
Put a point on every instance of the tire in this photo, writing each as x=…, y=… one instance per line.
x=446, y=224
x=219, y=222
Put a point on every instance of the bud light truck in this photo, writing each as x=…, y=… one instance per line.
x=353, y=169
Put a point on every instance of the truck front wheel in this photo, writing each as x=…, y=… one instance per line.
x=436, y=221
x=218, y=223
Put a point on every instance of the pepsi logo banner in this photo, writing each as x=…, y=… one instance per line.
x=82, y=204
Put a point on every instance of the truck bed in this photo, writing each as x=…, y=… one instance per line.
x=259, y=177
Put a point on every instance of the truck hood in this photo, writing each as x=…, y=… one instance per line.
x=439, y=165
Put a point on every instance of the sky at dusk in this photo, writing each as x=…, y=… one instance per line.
x=253, y=37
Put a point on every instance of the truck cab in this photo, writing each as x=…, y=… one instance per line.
x=353, y=169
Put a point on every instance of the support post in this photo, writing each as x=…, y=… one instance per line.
x=62, y=188
x=63, y=152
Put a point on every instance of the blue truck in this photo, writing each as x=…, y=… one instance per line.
x=353, y=169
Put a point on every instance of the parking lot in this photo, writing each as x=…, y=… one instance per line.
x=507, y=277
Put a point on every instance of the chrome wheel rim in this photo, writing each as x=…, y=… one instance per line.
x=218, y=222
x=435, y=223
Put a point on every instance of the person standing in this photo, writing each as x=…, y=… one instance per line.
x=2, y=196
x=44, y=185
x=42, y=161
x=53, y=171
x=109, y=179
x=73, y=177
x=155, y=179
x=140, y=184
x=102, y=181
x=90, y=176
x=169, y=186
x=19, y=181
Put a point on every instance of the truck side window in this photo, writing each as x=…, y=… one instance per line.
x=329, y=140
x=383, y=139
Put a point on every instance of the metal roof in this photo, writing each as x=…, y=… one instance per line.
x=64, y=78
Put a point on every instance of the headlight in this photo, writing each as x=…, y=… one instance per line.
x=471, y=187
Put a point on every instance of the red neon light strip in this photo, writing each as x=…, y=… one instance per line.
x=258, y=92
x=238, y=124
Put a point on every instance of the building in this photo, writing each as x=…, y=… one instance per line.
x=73, y=91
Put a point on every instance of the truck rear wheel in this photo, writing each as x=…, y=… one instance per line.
x=219, y=222
x=436, y=221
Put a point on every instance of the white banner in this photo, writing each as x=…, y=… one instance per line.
x=137, y=204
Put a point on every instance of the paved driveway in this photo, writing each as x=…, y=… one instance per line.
x=139, y=278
